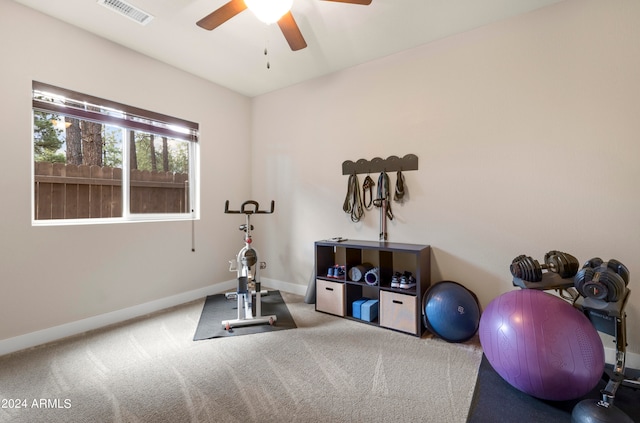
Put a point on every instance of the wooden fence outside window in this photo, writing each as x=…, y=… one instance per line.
x=79, y=192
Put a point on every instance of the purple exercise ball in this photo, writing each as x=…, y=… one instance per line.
x=541, y=345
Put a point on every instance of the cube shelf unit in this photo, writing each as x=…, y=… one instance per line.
x=399, y=309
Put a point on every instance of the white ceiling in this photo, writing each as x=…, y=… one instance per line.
x=338, y=35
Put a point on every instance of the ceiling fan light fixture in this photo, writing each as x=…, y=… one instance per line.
x=269, y=11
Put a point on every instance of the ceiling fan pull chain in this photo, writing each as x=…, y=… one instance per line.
x=266, y=47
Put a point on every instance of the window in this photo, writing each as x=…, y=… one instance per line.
x=95, y=159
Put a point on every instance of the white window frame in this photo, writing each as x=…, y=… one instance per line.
x=153, y=123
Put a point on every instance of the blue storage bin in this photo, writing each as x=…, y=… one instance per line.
x=357, y=306
x=369, y=310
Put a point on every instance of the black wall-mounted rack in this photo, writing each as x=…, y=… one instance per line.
x=377, y=165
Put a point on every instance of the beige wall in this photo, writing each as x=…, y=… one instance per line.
x=527, y=136
x=52, y=276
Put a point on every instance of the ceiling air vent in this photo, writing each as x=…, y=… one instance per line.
x=127, y=10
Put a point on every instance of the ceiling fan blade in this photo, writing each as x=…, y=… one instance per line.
x=221, y=15
x=362, y=2
x=291, y=32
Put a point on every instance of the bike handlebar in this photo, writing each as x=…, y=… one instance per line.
x=244, y=208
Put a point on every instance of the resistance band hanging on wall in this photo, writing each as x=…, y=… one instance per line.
x=367, y=187
x=383, y=203
x=353, y=201
x=356, y=202
x=398, y=196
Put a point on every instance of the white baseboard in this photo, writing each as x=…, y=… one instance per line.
x=55, y=333
x=285, y=286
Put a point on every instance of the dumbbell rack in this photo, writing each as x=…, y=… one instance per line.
x=609, y=318
x=551, y=281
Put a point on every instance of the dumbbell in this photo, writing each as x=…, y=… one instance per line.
x=529, y=269
x=602, y=280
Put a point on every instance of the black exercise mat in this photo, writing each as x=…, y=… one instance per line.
x=496, y=401
x=217, y=308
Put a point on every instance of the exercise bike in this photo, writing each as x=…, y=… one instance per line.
x=248, y=269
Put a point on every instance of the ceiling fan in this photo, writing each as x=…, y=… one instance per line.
x=287, y=24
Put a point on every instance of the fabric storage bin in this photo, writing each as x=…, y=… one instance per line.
x=398, y=311
x=330, y=297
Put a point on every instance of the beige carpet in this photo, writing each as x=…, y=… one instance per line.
x=327, y=370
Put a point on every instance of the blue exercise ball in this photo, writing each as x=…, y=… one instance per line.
x=451, y=311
